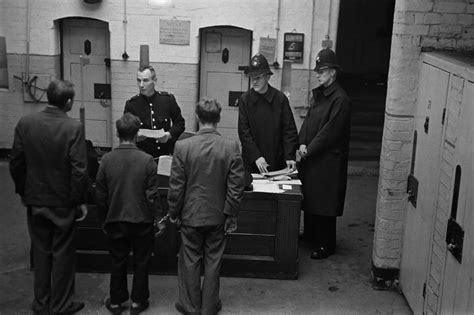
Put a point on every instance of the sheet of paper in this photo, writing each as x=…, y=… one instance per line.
x=149, y=133
x=164, y=165
x=266, y=187
x=289, y=182
x=257, y=176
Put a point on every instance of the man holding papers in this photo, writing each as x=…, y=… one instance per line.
x=160, y=115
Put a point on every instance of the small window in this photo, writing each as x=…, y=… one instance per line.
x=3, y=64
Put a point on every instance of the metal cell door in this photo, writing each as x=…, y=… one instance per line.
x=423, y=184
x=225, y=54
x=89, y=38
x=457, y=295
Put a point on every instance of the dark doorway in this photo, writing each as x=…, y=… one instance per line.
x=363, y=50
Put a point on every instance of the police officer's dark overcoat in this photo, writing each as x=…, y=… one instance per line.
x=156, y=112
x=325, y=132
x=281, y=138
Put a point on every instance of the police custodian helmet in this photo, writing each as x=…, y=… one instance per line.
x=325, y=59
x=259, y=65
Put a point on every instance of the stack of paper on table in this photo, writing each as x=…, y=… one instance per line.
x=164, y=165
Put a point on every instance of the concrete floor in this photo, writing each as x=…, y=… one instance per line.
x=340, y=284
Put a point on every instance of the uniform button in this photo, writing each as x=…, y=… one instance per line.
x=154, y=127
x=157, y=141
x=153, y=119
x=158, y=148
x=151, y=104
x=152, y=112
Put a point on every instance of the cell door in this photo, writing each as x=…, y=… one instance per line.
x=457, y=295
x=225, y=55
x=91, y=78
x=423, y=184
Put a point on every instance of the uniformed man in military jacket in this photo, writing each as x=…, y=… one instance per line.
x=156, y=110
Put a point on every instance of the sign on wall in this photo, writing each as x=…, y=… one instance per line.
x=174, y=32
x=293, y=47
x=267, y=48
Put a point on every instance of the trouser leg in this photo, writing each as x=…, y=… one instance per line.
x=63, y=267
x=142, y=248
x=214, y=246
x=309, y=221
x=41, y=241
x=119, y=249
x=189, y=269
x=325, y=228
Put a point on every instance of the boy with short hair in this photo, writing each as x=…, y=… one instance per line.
x=128, y=203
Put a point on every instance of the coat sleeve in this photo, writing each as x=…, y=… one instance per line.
x=177, y=119
x=177, y=183
x=128, y=108
x=151, y=191
x=78, y=162
x=289, y=131
x=249, y=147
x=333, y=129
x=101, y=192
x=235, y=184
x=18, y=162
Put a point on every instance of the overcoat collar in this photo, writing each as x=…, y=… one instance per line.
x=269, y=94
x=208, y=130
x=54, y=110
x=326, y=91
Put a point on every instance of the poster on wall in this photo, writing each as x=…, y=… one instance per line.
x=293, y=47
x=267, y=48
x=174, y=32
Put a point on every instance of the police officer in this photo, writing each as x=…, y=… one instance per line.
x=324, y=148
x=156, y=110
x=266, y=126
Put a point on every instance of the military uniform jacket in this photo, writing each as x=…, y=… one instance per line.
x=156, y=112
x=279, y=143
x=325, y=132
x=207, y=179
x=49, y=160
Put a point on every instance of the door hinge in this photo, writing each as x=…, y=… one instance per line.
x=443, y=117
x=424, y=290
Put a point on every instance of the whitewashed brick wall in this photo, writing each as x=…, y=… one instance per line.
x=178, y=65
x=418, y=24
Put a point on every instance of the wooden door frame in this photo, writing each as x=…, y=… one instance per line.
x=201, y=37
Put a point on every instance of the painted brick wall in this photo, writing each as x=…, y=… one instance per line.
x=177, y=64
x=421, y=24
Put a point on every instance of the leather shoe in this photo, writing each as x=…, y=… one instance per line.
x=115, y=309
x=74, y=307
x=135, y=310
x=321, y=253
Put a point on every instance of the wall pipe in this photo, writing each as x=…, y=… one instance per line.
x=308, y=96
x=27, y=64
x=277, y=32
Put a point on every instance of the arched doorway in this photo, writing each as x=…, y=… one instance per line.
x=90, y=39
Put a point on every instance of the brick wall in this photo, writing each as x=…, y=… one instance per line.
x=418, y=24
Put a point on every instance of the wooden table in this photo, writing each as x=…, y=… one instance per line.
x=265, y=244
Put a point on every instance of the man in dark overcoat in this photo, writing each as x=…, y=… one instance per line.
x=49, y=167
x=156, y=110
x=205, y=189
x=324, y=146
x=266, y=125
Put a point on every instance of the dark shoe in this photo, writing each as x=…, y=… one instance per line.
x=321, y=253
x=181, y=309
x=134, y=310
x=74, y=307
x=114, y=309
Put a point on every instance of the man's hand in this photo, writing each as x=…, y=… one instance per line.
x=262, y=164
x=175, y=220
x=140, y=138
x=160, y=227
x=291, y=165
x=81, y=212
x=230, y=224
x=165, y=138
x=303, y=150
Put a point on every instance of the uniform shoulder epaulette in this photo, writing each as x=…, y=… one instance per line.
x=134, y=97
x=165, y=93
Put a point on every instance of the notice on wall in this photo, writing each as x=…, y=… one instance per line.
x=293, y=47
x=267, y=48
x=174, y=32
